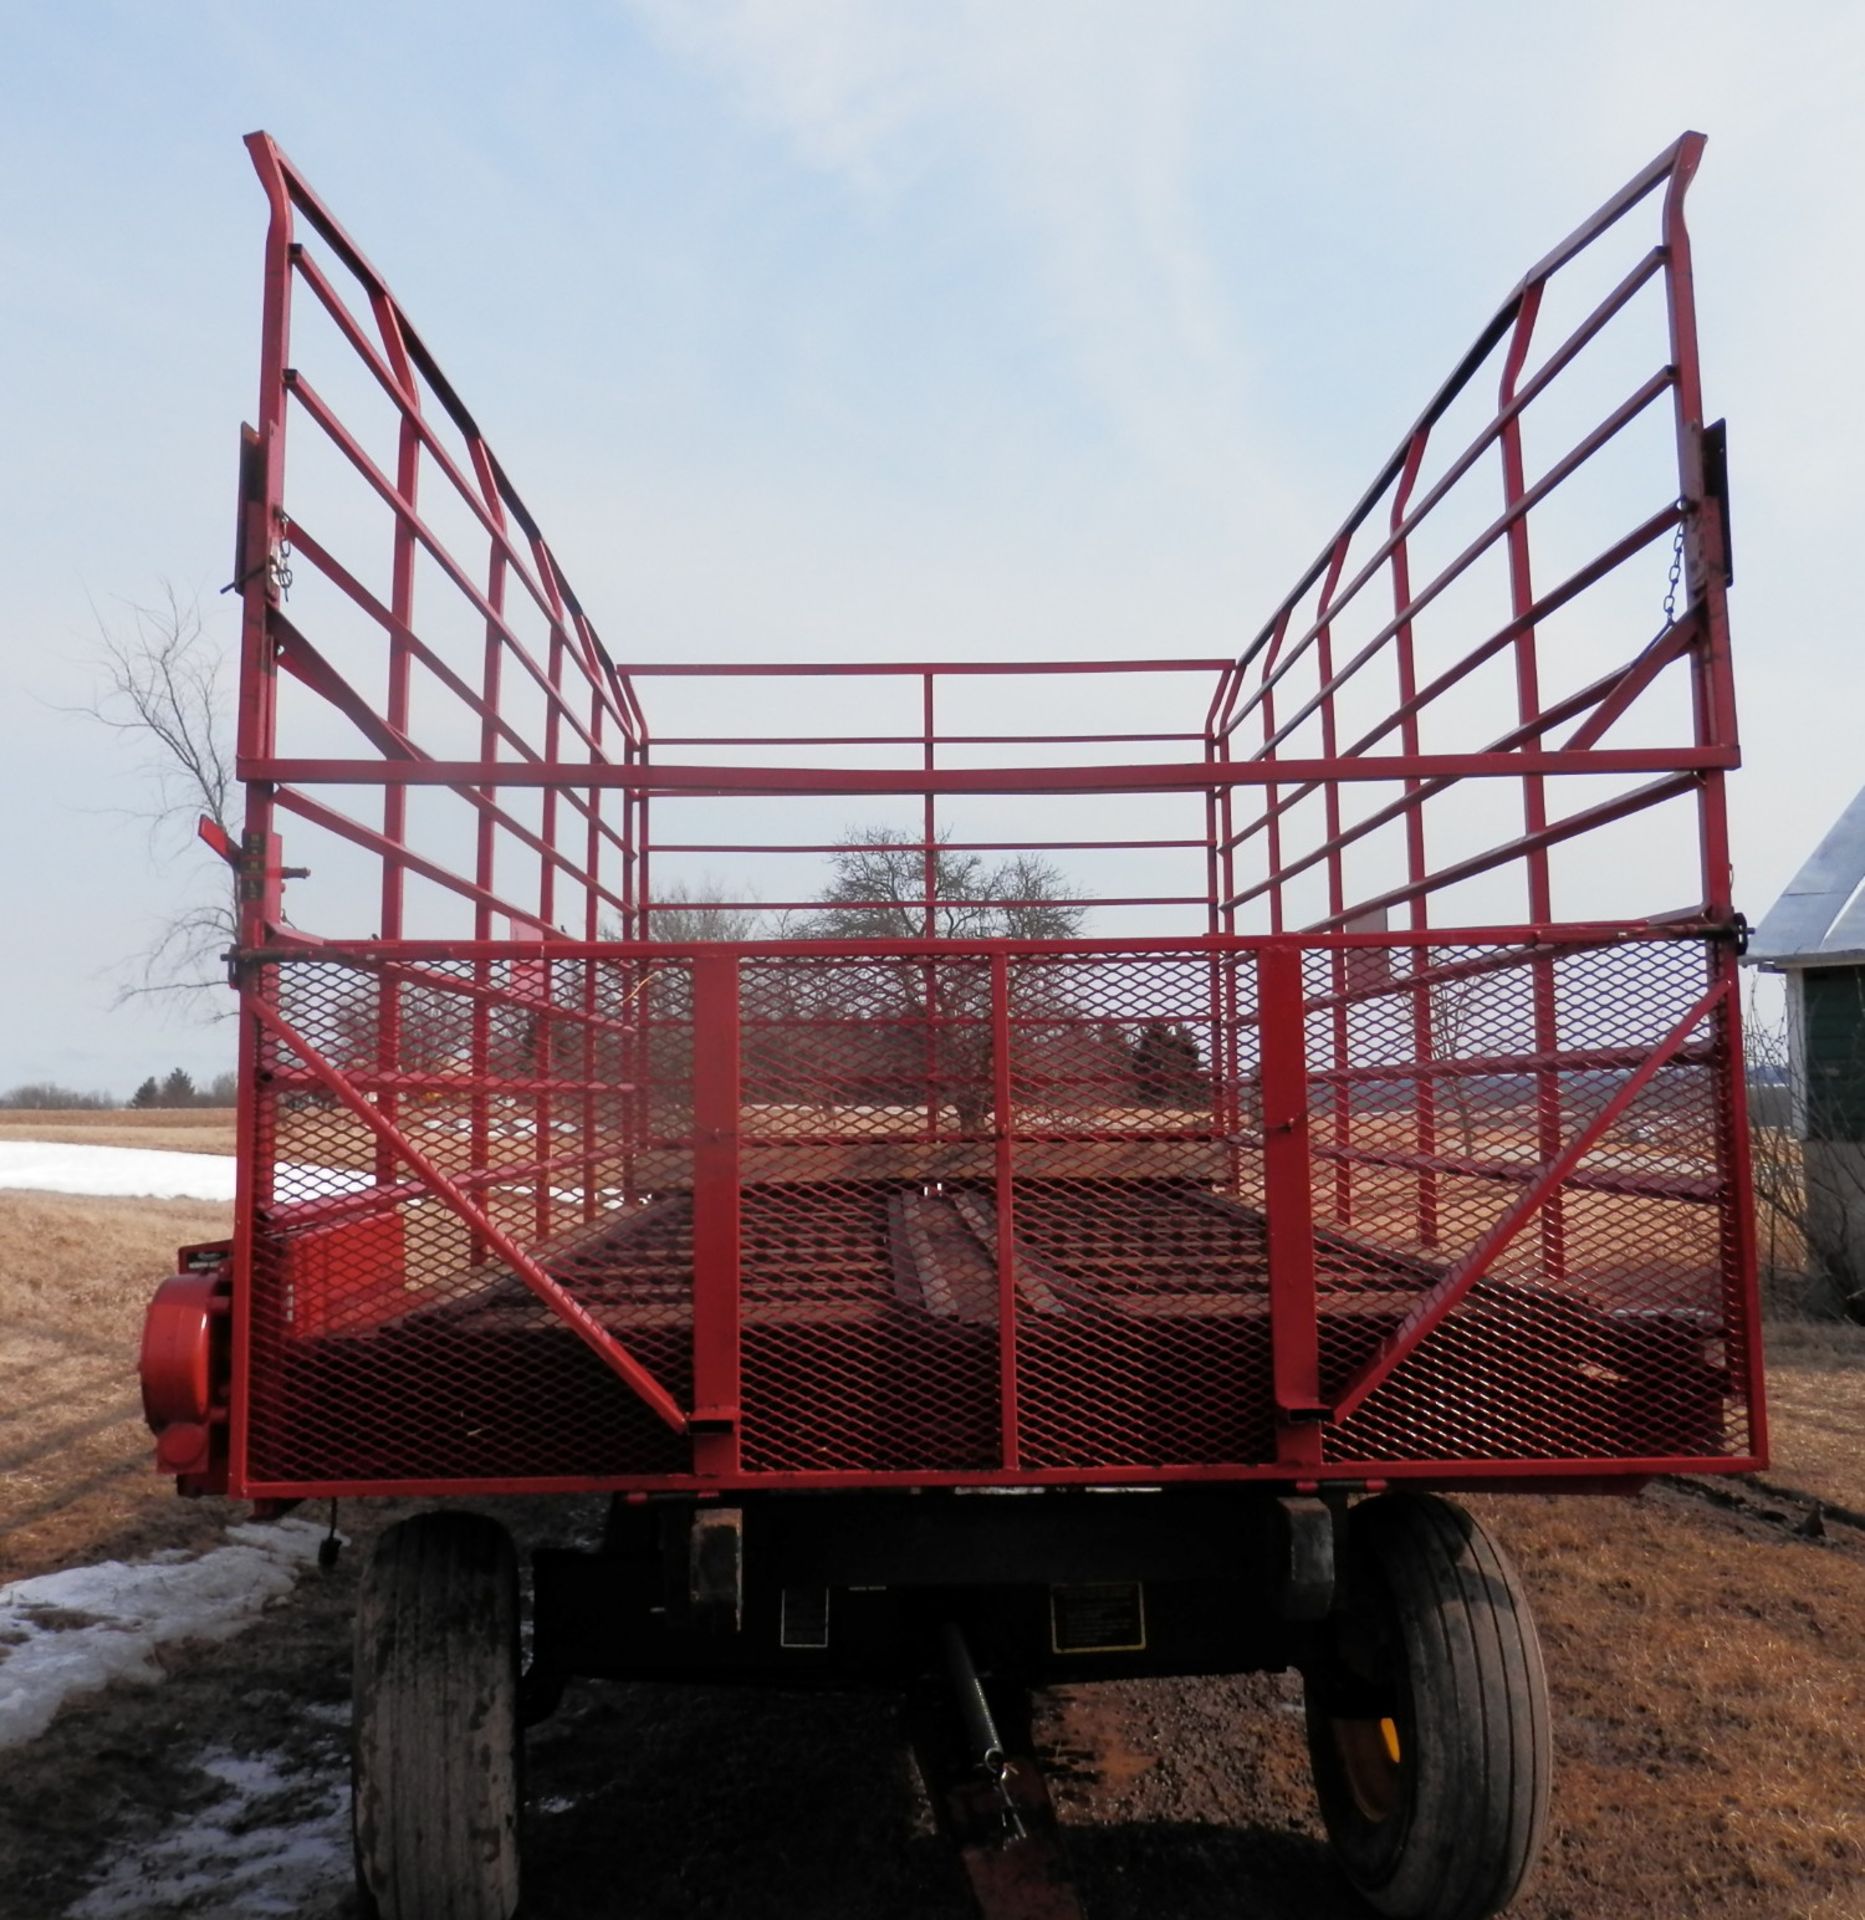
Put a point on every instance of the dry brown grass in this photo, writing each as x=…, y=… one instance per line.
x=177, y=1130
x=76, y=1479
x=1817, y=1421
x=1709, y=1678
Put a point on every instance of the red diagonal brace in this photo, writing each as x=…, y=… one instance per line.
x=1445, y=1295
x=575, y=1316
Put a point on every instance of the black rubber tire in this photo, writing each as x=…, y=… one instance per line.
x=435, y=1754
x=1428, y=1721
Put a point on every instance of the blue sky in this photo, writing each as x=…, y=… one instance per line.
x=849, y=327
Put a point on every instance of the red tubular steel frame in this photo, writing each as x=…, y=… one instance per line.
x=651, y=1083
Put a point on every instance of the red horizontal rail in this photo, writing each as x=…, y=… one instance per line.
x=909, y=739
x=397, y=1081
x=1473, y=965
x=1580, y=1060
x=959, y=669
x=1167, y=777
x=916, y=907
x=1557, y=1472
x=1648, y=1186
x=920, y=846
x=287, y=946
x=301, y=659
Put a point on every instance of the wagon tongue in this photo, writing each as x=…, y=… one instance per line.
x=990, y=1798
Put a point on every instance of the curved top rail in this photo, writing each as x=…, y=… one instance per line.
x=288, y=190
x=1678, y=162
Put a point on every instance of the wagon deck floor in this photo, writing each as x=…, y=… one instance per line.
x=857, y=1251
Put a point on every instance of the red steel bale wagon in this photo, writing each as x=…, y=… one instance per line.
x=1362, y=1121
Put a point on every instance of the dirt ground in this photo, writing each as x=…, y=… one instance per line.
x=1706, y=1646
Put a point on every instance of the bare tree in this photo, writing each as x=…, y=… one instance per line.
x=878, y=892
x=686, y=913
x=161, y=687
x=1454, y=1008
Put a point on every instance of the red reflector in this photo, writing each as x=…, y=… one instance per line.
x=177, y=1351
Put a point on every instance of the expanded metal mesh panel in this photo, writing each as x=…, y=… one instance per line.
x=870, y=1304
x=993, y=1212
x=1601, y=1325
x=1143, y=1333
x=392, y=1336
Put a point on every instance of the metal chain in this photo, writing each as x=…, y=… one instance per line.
x=1677, y=573
x=280, y=565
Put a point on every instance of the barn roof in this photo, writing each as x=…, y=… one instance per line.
x=1820, y=917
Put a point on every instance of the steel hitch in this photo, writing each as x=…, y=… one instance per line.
x=983, y=1743
x=987, y=1792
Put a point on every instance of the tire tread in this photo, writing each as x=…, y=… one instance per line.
x=435, y=1753
x=1476, y=1810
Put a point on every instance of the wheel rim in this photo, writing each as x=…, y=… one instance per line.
x=1372, y=1761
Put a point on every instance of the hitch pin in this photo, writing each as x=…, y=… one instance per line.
x=982, y=1738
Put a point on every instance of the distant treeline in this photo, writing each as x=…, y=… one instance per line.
x=175, y=1089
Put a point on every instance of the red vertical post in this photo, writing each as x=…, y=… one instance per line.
x=485, y=848
x=1231, y=1111
x=589, y=997
x=715, y=1213
x=1004, y=1114
x=1225, y=1118
x=629, y=901
x=929, y=916
x=630, y=1008
x=1272, y=793
x=262, y=522
x=1289, y=1206
x=542, y=1128
x=1706, y=561
x=395, y=798
x=1214, y=922
x=1340, y=1091
x=644, y=895
x=1706, y=583
x=644, y=931
x=1424, y=1047
x=1534, y=787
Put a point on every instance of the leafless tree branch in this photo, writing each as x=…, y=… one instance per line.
x=161, y=684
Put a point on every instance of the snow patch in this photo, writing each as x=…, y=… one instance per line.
x=79, y=1630
x=273, y=1841
x=153, y=1173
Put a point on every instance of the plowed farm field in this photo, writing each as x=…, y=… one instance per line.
x=1706, y=1643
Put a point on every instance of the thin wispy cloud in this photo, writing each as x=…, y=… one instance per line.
x=1081, y=129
